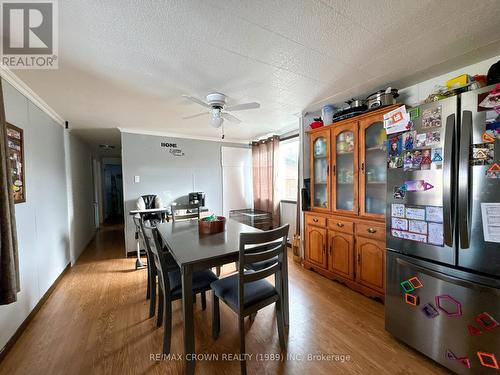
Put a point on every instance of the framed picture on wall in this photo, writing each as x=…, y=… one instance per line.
x=15, y=149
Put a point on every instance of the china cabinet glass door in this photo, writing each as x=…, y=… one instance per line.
x=373, y=168
x=320, y=169
x=345, y=168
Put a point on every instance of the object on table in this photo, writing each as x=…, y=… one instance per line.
x=197, y=198
x=212, y=224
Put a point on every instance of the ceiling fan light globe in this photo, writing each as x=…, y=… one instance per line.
x=216, y=121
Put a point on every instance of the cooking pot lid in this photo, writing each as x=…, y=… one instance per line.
x=394, y=93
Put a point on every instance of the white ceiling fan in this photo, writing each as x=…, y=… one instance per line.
x=216, y=104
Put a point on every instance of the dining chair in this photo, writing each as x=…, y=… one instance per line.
x=170, y=284
x=151, y=283
x=190, y=211
x=248, y=291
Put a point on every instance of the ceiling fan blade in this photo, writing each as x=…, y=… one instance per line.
x=197, y=115
x=229, y=117
x=196, y=100
x=242, y=107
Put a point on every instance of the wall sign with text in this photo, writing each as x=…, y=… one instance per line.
x=173, y=149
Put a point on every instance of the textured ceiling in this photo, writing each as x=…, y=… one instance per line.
x=126, y=63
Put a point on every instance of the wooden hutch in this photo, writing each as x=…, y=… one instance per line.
x=345, y=229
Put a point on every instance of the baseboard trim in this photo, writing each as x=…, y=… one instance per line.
x=5, y=350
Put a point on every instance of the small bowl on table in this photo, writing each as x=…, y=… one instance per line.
x=209, y=225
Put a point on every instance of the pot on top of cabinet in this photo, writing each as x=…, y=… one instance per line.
x=382, y=98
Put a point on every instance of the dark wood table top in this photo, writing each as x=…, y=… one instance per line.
x=188, y=246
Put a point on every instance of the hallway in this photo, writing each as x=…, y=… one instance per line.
x=96, y=322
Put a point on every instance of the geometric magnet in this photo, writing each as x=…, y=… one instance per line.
x=488, y=360
x=411, y=300
x=464, y=361
x=486, y=321
x=487, y=138
x=452, y=311
x=473, y=331
x=429, y=310
x=494, y=168
x=407, y=286
x=450, y=355
x=415, y=282
x=437, y=157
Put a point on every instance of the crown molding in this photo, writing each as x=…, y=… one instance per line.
x=178, y=135
x=25, y=90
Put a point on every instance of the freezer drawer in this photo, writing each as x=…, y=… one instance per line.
x=450, y=316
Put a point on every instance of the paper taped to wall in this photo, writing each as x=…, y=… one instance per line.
x=490, y=213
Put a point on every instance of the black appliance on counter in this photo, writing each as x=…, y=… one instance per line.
x=197, y=198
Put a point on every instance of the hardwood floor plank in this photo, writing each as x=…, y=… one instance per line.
x=96, y=322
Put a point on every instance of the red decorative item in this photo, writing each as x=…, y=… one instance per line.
x=416, y=282
x=464, y=361
x=316, y=124
x=473, y=331
x=486, y=321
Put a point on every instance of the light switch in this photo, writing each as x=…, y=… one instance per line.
x=137, y=179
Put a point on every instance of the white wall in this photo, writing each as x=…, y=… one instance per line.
x=171, y=177
x=81, y=211
x=43, y=227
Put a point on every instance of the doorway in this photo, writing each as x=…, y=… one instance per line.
x=112, y=190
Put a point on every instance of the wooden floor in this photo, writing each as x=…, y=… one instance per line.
x=96, y=322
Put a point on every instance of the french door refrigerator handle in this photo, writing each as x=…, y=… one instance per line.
x=448, y=180
x=463, y=180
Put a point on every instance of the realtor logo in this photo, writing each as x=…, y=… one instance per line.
x=29, y=34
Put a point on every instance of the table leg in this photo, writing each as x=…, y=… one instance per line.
x=284, y=285
x=187, y=308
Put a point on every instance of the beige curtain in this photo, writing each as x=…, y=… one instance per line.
x=9, y=263
x=265, y=170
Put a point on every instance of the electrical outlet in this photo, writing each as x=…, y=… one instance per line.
x=137, y=179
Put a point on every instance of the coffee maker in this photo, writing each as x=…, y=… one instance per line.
x=197, y=198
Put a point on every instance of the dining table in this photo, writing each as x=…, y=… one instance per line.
x=192, y=252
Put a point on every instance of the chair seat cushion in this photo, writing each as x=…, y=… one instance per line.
x=227, y=290
x=257, y=266
x=201, y=281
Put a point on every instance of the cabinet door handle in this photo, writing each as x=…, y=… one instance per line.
x=371, y=230
x=359, y=258
x=334, y=170
x=363, y=167
x=330, y=249
x=315, y=220
x=340, y=225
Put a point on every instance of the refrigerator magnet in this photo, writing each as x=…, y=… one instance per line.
x=429, y=310
x=395, y=162
x=395, y=146
x=431, y=118
x=398, y=210
x=493, y=171
x=435, y=233
x=420, y=140
x=414, y=113
x=399, y=192
x=432, y=138
x=490, y=214
x=415, y=213
x=488, y=138
x=417, y=226
x=409, y=140
x=397, y=223
x=437, y=158
x=486, y=321
x=434, y=213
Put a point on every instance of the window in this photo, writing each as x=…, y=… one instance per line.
x=288, y=169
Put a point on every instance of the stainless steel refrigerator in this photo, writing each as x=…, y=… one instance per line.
x=443, y=232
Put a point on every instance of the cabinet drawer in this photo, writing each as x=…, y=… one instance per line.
x=341, y=225
x=375, y=232
x=316, y=220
